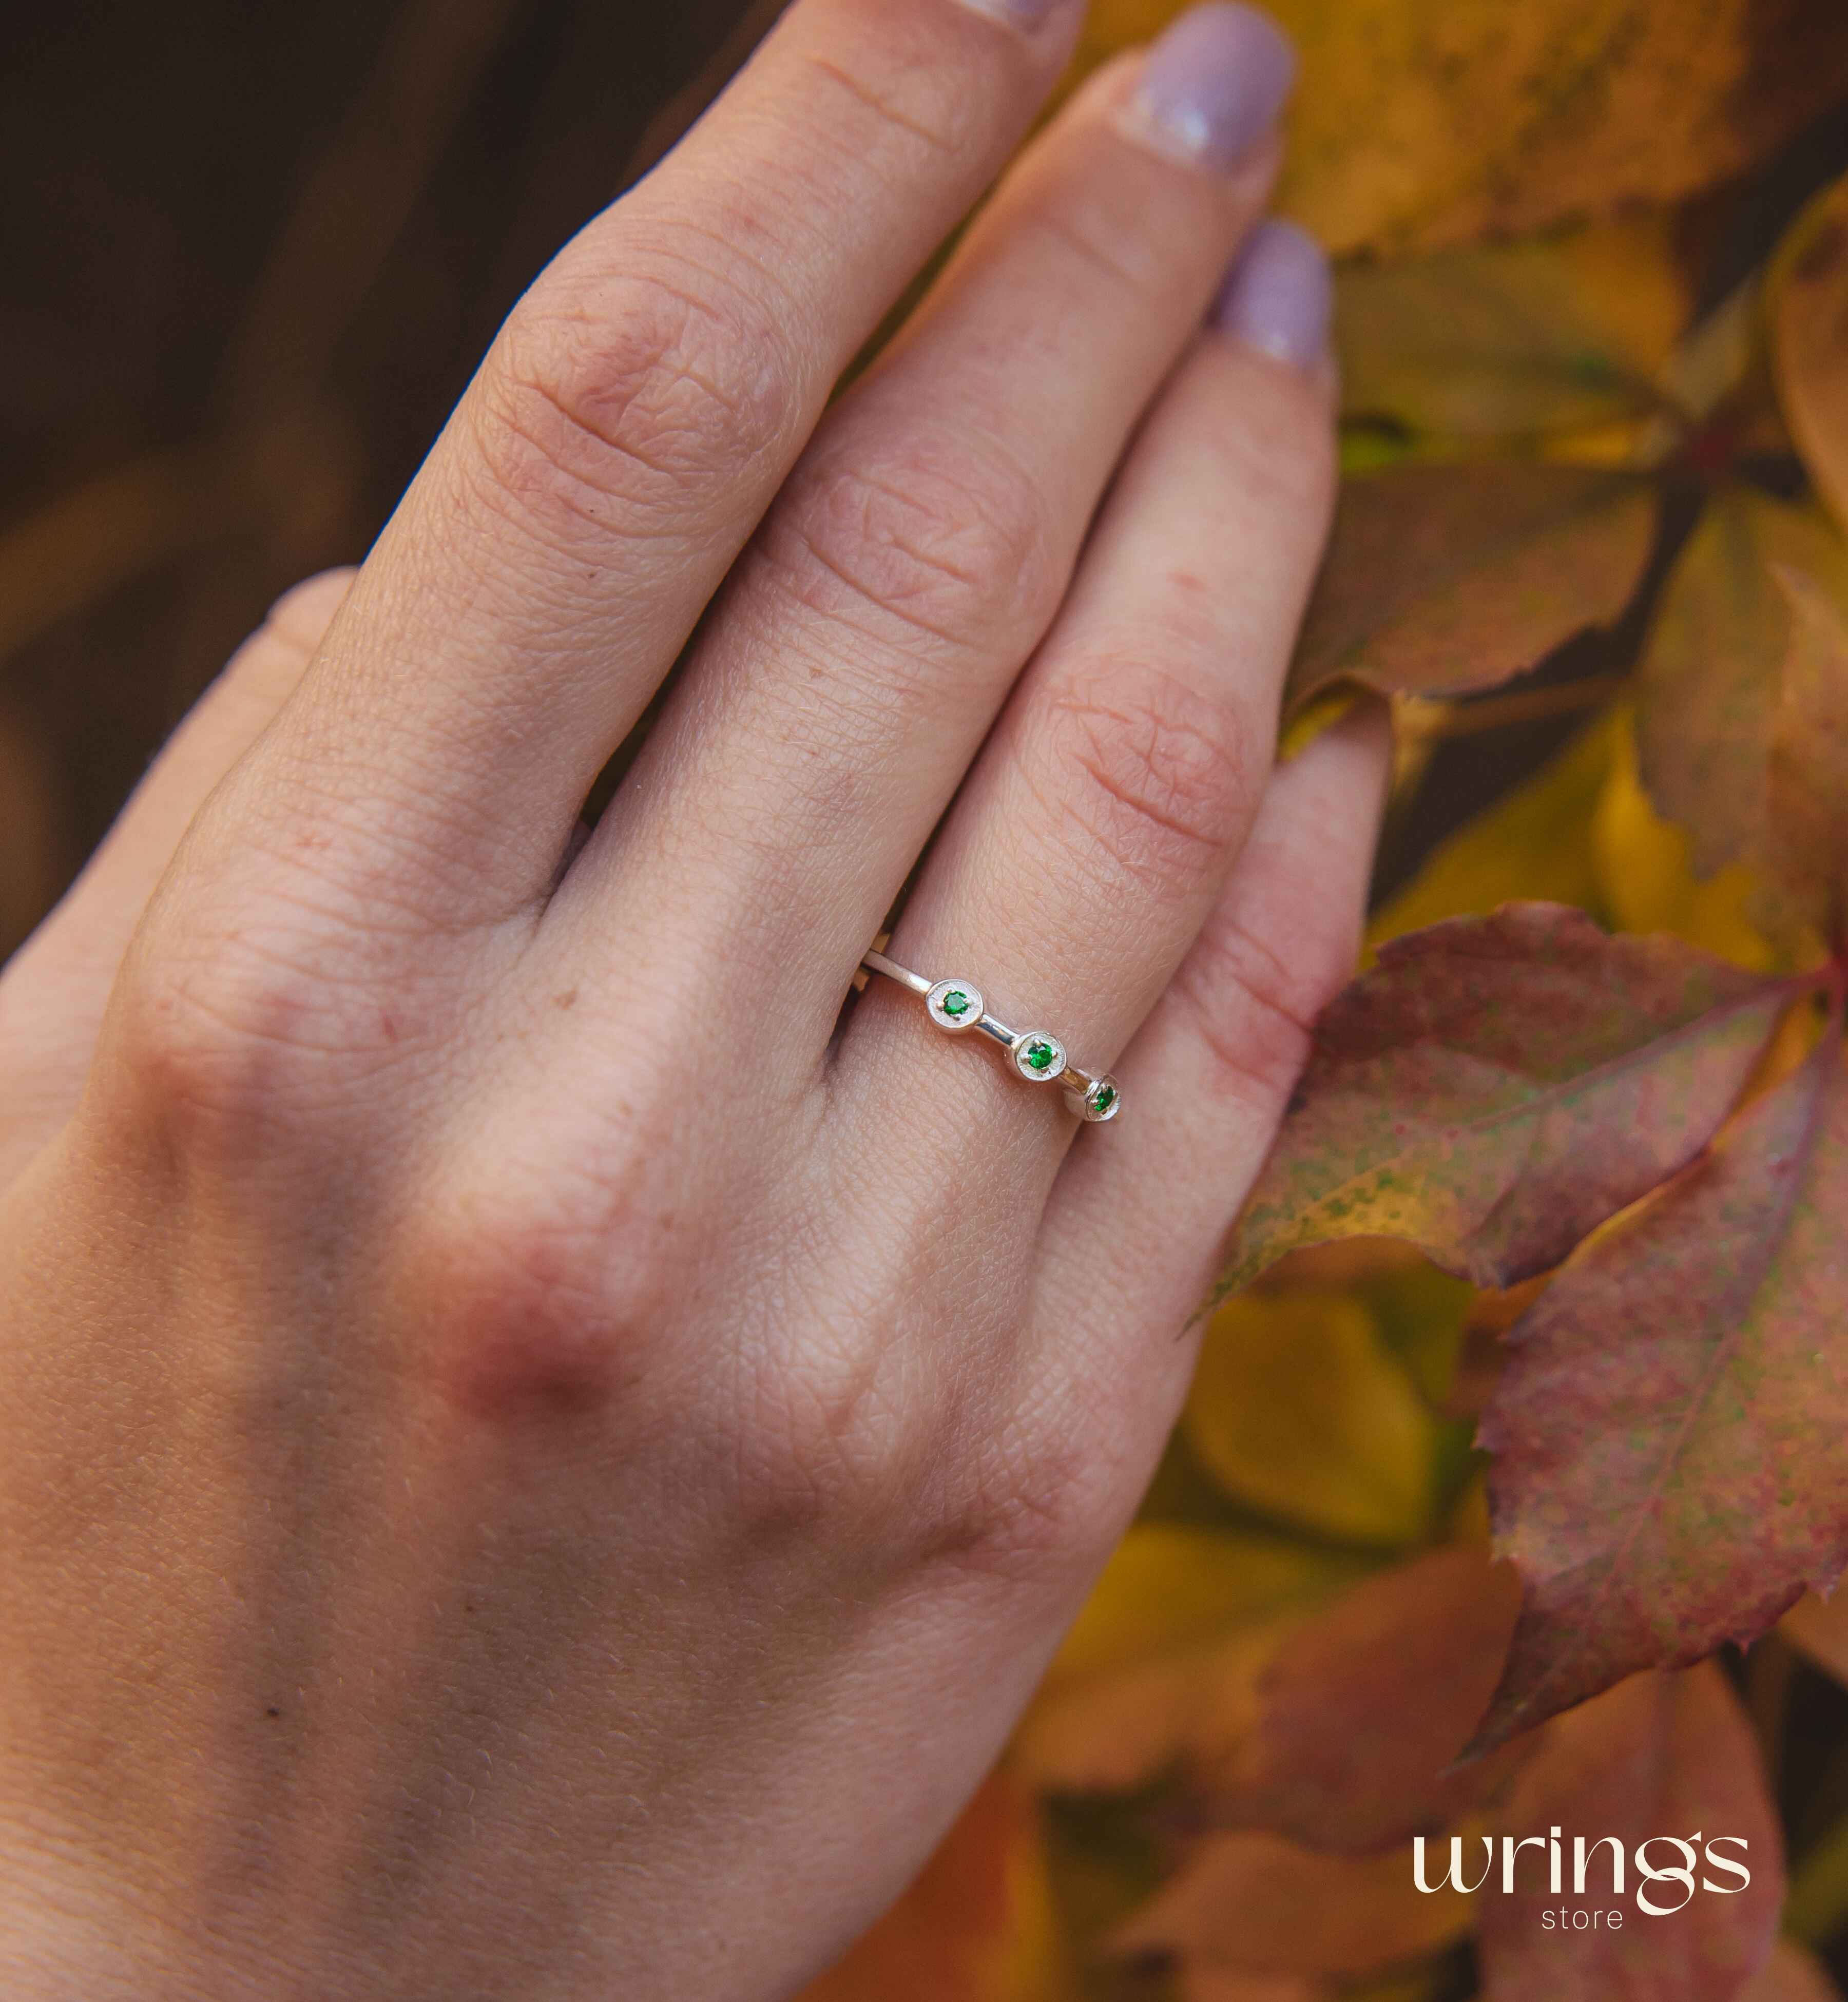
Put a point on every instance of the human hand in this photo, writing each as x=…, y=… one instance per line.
x=531, y=1465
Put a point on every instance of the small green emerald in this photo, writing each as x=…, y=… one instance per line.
x=956, y=1004
x=1105, y=1100
x=1039, y=1056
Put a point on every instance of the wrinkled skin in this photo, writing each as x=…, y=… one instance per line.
x=533, y=1462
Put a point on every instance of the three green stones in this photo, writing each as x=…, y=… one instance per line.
x=957, y=1006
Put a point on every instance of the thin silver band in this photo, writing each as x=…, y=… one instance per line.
x=956, y=1007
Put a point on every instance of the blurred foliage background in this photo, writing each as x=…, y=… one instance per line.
x=250, y=257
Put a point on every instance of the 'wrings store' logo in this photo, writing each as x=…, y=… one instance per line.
x=1662, y=1886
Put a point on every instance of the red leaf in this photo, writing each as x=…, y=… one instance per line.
x=1497, y=1087
x=1443, y=578
x=1670, y=1469
x=1661, y=1756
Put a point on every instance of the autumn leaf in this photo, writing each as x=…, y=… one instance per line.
x=1425, y=122
x=1658, y=1756
x=1817, y=1629
x=1222, y=1984
x=1669, y=1470
x=1809, y=324
x=1259, y=1903
x=1709, y=681
x=1535, y=844
x=1298, y=1409
x=1513, y=341
x=1791, y=1975
x=976, y=1925
x=1171, y=1586
x=1361, y=1711
x=1497, y=1087
x=1443, y=578
x=1807, y=777
x=1645, y=875
x=1338, y=1727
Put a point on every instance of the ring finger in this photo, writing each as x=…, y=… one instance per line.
x=1109, y=805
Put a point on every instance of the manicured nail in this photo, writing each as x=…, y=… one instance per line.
x=1213, y=84
x=1025, y=14
x=1278, y=296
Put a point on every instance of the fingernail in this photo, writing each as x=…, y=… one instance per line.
x=1213, y=84
x=1278, y=296
x=1025, y=14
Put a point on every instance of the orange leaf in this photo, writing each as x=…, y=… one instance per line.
x=1708, y=683
x=1806, y=770
x=1817, y=1629
x=1809, y=340
x=1260, y=1903
x=976, y=1926
x=1360, y=1713
x=1658, y=1756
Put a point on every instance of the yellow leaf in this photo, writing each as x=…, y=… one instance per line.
x=1645, y=876
x=976, y=1925
x=1171, y=1585
x=1808, y=303
x=1424, y=122
x=1299, y=1410
x=1535, y=843
x=1565, y=334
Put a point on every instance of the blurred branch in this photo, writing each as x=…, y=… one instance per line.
x=287, y=455
x=294, y=465
x=358, y=196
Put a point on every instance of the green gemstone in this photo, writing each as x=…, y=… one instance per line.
x=1105, y=1100
x=956, y=1004
x=1039, y=1056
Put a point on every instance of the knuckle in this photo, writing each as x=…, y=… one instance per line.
x=226, y=1046
x=939, y=539
x=1155, y=773
x=1253, y=1016
x=633, y=391
x=538, y=1299
x=915, y=107
x=1046, y=1494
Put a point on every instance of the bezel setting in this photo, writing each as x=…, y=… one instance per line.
x=1101, y=1099
x=1029, y=1047
x=941, y=1001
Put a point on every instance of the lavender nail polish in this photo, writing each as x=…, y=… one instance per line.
x=1278, y=296
x=1214, y=84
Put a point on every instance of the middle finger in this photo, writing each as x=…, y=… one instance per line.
x=919, y=552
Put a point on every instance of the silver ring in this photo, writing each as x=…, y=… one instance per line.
x=1038, y=1055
